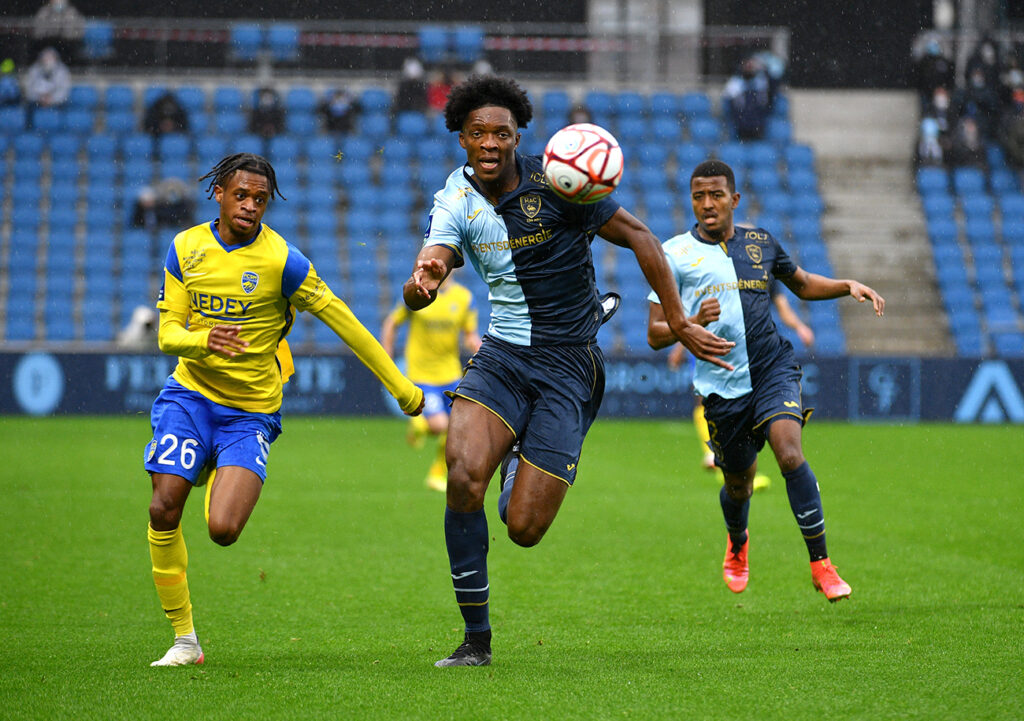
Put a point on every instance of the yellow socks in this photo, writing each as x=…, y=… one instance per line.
x=700, y=424
x=170, y=560
x=437, y=476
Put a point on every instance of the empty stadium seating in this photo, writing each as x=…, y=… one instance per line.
x=357, y=204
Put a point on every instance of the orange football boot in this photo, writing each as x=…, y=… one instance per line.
x=735, y=569
x=827, y=580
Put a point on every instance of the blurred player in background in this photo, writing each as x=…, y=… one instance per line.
x=723, y=274
x=678, y=355
x=433, y=362
x=538, y=377
x=231, y=288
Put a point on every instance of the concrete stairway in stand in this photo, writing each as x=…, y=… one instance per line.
x=873, y=224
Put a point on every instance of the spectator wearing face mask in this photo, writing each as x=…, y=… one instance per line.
x=47, y=83
x=933, y=70
x=980, y=102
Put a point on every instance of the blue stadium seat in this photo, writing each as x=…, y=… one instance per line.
x=968, y=180
x=977, y=206
x=192, y=98
x=666, y=130
x=411, y=124
x=764, y=180
x=282, y=150
x=320, y=148
x=174, y=147
x=229, y=98
x=210, y=149
x=695, y=104
x=777, y=203
x=802, y=181
x=555, y=105
x=599, y=103
x=779, y=131
x=1008, y=345
x=119, y=98
x=120, y=122
x=629, y=103
x=433, y=43
x=64, y=146
x=283, y=42
x=938, y=206
x=705, y=131
x=799, y=156
x=1003, y=180
x=980, y=230
x=300, y=99
x=84, y=97
x=246, y=41
x=931, y=180
x=467, y=43
x=375, y=100
x=138, y=146
x=1011, y=207
x=28, y=146
x=49, y=120
x=666, y=104
x=374, y=126
x=98, y=39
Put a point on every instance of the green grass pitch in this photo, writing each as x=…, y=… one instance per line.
x=336, y=601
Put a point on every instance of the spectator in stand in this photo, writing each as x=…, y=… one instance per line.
x=437, y=90
x=59, y=25
x=968, y=147
x=165, y=115
x=10, y=90
x=580, y=113
x=47, y=83
x=412, y=88
x=266, y=118
x=1011, y=80
x=939, y=108
x=984, y=58
x=1011, y=135
x=338, y=110
x=931, y=146
x=747, y=101
x=164, y=205
x=980, y=102
x=933, y=70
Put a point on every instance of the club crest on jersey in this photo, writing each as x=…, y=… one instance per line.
x=249, y=281
x=754, y=252
x=530, y=205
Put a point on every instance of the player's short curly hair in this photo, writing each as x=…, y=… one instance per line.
x=479, y=91
x=713, y=169
x=221, y=173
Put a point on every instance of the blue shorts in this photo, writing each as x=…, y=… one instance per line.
x=192, y=433
x=739, y=426
x=435, y=399
x=547, y=395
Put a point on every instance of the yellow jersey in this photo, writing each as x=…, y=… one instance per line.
x=256, y=285
x=432, y=348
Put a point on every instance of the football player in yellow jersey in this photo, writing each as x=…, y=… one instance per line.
x=433, y=361
x=231, y=289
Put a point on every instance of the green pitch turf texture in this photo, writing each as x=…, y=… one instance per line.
x=336, y=600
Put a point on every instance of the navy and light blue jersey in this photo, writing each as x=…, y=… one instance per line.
x=532, y=250
x=739, y=274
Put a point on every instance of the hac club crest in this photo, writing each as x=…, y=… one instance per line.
x=530, y=205
x=249, y=281
x=754, y=251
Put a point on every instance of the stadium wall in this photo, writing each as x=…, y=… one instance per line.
x=889, y=390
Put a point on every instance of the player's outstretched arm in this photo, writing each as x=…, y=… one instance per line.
x=625, y=230
x=433, y=265
x=342, y=321
x=811, y=286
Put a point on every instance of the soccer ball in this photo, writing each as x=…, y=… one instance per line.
x=583, y=163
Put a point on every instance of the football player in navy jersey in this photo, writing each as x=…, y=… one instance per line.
x=723, y=274
x=538, y=378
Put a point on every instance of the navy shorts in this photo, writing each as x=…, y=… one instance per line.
x=547, y=395
x=739, y=426
x=192, y=433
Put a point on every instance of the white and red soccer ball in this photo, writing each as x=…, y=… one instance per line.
x=583, y=163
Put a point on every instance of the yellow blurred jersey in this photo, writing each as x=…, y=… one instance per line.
x=432, y=348
x=256, y=285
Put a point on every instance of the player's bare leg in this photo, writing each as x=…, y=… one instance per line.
x=232, y=498
x=533, y=504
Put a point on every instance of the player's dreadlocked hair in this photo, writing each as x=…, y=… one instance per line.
x=713, y=169
x=249, y=162
x=481, y=90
